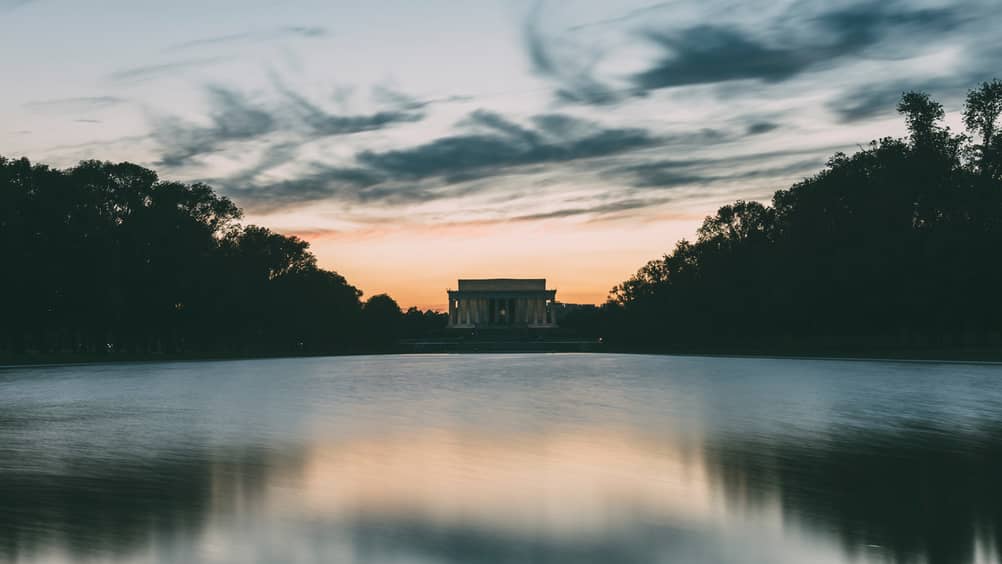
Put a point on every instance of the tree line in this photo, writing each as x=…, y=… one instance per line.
x=899, y=244
x=106, y=257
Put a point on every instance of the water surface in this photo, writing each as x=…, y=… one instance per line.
x=556, y=458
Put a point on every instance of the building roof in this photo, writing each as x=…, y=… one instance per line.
x=502, y=284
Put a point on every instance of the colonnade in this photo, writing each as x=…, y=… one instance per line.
x=487, y=311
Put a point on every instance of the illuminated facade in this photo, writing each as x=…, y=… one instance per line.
x=502, y=303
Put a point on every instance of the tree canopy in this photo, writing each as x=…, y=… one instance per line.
x=107, y=257
x=897, y=243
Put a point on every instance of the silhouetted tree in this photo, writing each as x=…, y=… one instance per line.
x=417, y=323
x=107, y=257
x=894, y=245
x=382, y=319
x=981, y=115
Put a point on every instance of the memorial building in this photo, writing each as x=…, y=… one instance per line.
x=497, y=303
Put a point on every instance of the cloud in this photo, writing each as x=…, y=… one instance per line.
x=285, y=32
x=503, y=145
x=77, y=104
x=881, y=98
x=672, y=173
x=715, y=53
x=574, y=76
x=714, y=50
x=760, y=127
x=397, y=99
x=324, y=123
x=146, y=72
x=628, y=204
x=317, y=182
x=488, y=146
x=234, y=118
x=866, y=102
x=632, y=15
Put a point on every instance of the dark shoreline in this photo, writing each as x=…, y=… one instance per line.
x=940, y=355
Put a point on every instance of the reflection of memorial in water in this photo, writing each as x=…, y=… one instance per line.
x=559, y=483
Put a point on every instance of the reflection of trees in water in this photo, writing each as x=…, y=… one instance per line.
x=921, y=494
x=92, y=507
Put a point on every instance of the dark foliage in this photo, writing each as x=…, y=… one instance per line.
x=896, y=245
x=106, y=257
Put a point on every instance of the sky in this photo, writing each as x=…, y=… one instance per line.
x=415, y=143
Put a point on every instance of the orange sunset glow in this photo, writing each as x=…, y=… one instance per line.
x=416, y=264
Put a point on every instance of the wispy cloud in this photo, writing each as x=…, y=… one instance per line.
x=286, y=32
x=564, y=65
x=870, y=100
x=629, y=17
x=146, y=72
x=714, y=50
x=707, y=53
x=323, y=123
x=600, y=210
x=82, y=103
x=498, y=144
x=488, y=146
x=760, y=127
x=235, y=118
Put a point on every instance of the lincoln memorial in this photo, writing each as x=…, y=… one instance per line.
x=502, y=303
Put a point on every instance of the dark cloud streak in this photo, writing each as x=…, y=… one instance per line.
x=575, y=77
x=234, y=118
x=146, y=72
x=450, y=167
x=710, y=54
x=507, y=147
x=81, y=103
x=306, y=32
